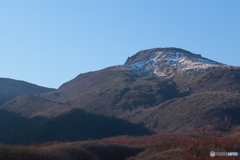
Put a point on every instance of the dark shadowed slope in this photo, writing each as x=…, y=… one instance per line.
x=25, y=126
x=10, y=89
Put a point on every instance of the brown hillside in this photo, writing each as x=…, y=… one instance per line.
x=220, y=109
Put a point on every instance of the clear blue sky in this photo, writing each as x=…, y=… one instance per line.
x=49, y=42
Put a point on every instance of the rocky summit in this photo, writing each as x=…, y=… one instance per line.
x=168, y=62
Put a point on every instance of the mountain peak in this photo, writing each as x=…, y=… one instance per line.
x=167, y=62
x=150, y=52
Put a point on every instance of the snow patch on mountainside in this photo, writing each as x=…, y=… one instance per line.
x=169, y=63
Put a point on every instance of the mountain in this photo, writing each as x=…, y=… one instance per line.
x=71, y=125
x=168, y=62
x=178, y=115
x=123, y=88
x=10, y=89
x=159, y=90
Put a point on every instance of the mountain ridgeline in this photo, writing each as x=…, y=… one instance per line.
x=10, y=89
x=160, y=90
